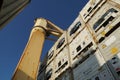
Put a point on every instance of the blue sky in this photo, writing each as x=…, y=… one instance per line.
x=14, y=36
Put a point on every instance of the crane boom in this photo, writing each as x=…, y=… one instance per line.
x=27, y=68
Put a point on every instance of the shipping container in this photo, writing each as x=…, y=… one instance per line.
x=102, y=19
x=114, y=65
x=42, y=69
x=117, y=2
x=93, y=68
x=51, y=54
x=67, y=75
x=62, y=61
x=41, y=75
x=90, y=48
x=50, y=71
x=81, y=46
x=61, y=42
x=109, y=29
x=77, y=25
x=90, y=8
x=110, y=46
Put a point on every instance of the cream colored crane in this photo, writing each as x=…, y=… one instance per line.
x=27, y=68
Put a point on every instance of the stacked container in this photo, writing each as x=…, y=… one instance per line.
x=61, y=43
x=62, y=60
x=114, y=65
x=100, y=22
x=110, y=45
x=117, y=2
x=105, y=25
x=75, y=28
x=90, y=8
x=67, y=75
x=90, y=48
x=42, y=69
x=50, y=71
x=82, y=46
x=51, y=54
x=93, y=68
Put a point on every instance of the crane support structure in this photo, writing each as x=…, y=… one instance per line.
x=27, y=68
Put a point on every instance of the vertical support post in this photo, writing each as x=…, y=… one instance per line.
x=27, y=67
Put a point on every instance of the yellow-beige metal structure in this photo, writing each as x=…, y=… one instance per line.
x=27, y=68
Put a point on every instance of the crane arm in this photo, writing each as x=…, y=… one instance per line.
x=27, y=68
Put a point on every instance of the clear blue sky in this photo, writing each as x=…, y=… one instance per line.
x=14, y=36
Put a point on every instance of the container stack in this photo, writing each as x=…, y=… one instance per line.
x=90, y=48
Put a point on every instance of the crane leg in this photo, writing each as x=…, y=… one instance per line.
x=27, y=67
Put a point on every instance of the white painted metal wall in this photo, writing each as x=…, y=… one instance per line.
x=87, y=51
x=62, y=61
x=75, y=28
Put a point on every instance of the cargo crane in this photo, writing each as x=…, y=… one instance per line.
x=27, y=68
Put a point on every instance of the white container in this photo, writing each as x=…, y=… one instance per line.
x=51, y=54
x=116, y=1
x=90, y=8
x=93, y=68
x=104, y=74
x=81, y=46
x=67, y=75
x=41, y=72
x=62, y=61
x=50, y=69
x=110, y=28
x=77, y=25
x=114, y=65
x=111, y=45
x=61, y=42
x=41, y=76
x=103, y=17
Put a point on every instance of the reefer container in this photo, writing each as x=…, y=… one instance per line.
x=116, y=2
x=62, y=61
x=93, y=68
x=90, y=8
x=41, y=75
x=51, y=54
x=61, y=42
x=105, y=16
x=111, y=45
x=114, y=65
x=81, y=46
x=67, y=75
x=50, y=71
x=109, y=29
x=41, y=72
x=77, y=25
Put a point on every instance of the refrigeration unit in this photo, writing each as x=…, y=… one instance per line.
x=62, y=61
x=67, y=75
x=100, y=22
x=114, y=64
x=110, y=46
x=117, y=2
x=74, y=29
x=82, y=46
x=41, y=72
x=61, y=42
x=50, y=71
x=90, y=48
x=41, y=75
x=93, y=68
x=51, y=54
x=90, y=8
